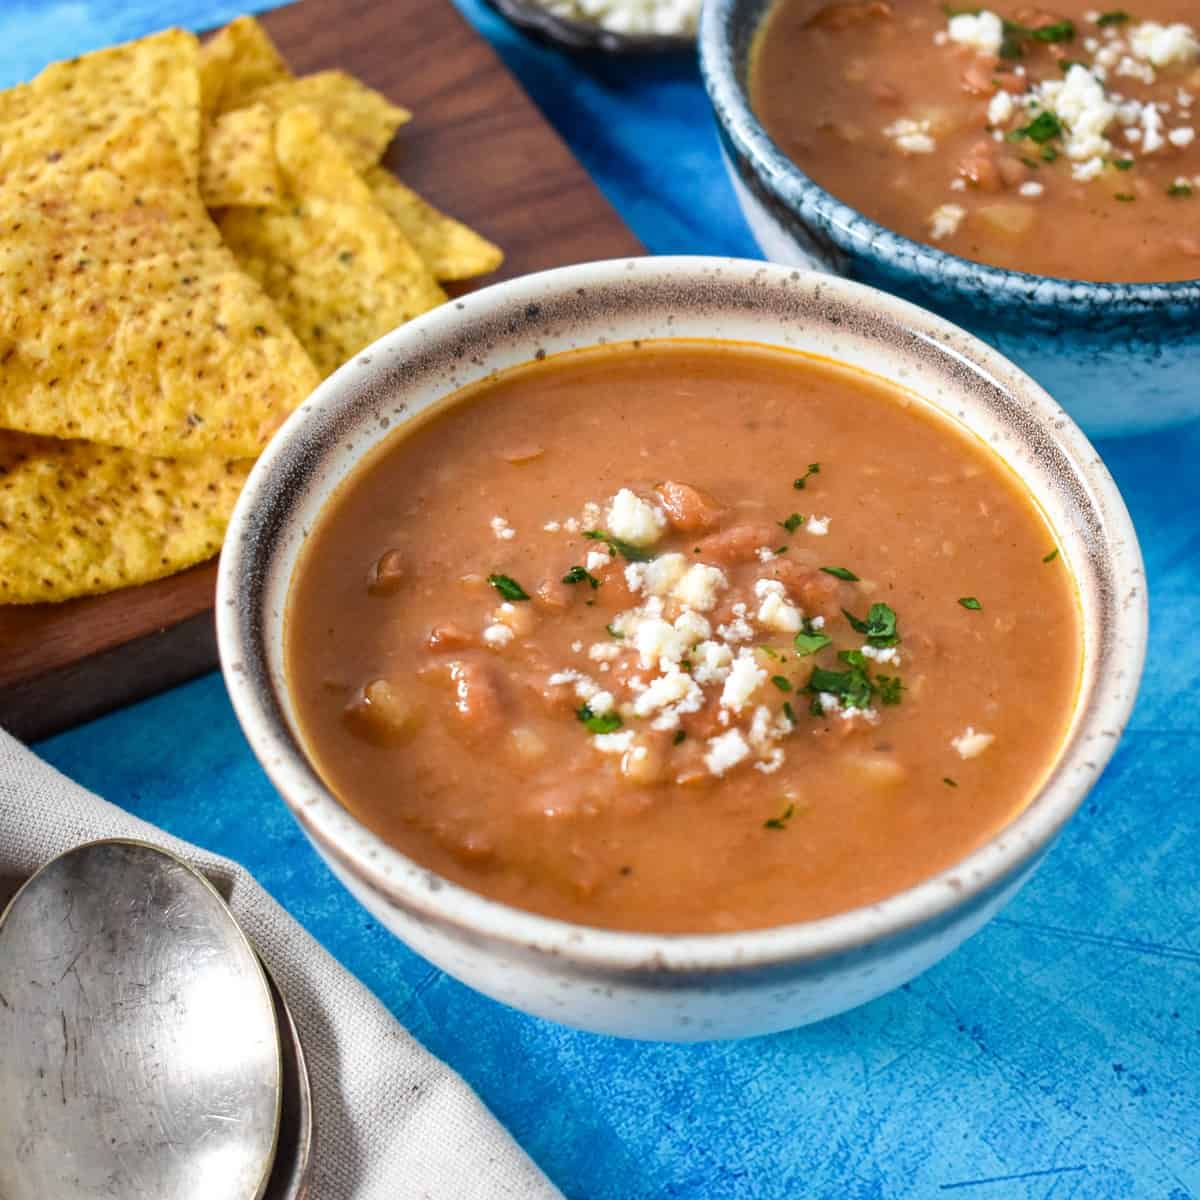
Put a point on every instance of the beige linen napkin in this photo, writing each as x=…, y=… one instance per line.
x=392, y=1121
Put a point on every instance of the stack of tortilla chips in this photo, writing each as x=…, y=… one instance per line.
x=190, y=239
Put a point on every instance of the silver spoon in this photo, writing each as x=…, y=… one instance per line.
x=139, y=1051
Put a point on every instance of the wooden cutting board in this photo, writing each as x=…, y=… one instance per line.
x=476, y=147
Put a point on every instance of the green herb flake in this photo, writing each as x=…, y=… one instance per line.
x=891, y=688
x=970, y=602
x=1048, y=154
x=1124, y=197
x=578, y=575
x=598, y=723
x=685, y=664
x=678, y=738
x=800, y=483
x=949, y=782
x=1031, y=163
x=789, y=712
x=614, y=633
x=793, y=522
x=508, y=587
x=841, y=573
x=769, y=652
x=1123, y=164
x=1116, y=17
x=852, y=687
x=1043, y=128
x=626, y=550
x=781, y=821
x=1051, y=556
x=810, y=643
x=782, y=549
x=879, y=628
x=1179, y=189
x=1058, y=31
x=782, y=683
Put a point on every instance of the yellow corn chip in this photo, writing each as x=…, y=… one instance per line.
x=361, y=120
x=451, y=250
x=235, y=62
x=76, y=518
x=123, y=317
x=237, y=160
x=337, y=266
x=70, y=105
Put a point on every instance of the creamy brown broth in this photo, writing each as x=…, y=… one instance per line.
x=878, y=103
x=465, y=748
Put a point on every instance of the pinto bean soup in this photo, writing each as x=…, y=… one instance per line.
x=683, y=636
x=1057, y=140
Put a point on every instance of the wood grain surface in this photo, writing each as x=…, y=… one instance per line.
x=476, y=147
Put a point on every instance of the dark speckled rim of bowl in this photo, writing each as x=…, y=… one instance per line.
x=511, y=322
x=727, y=29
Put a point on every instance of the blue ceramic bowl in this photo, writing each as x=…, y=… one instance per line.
x=1120, y=357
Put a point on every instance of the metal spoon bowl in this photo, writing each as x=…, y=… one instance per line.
x=137, y=1030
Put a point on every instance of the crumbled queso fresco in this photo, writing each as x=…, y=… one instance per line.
x=1083, y=125
x=687, y=642
x=663, y=17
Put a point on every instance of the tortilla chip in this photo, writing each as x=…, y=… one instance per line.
x=76, y=518
x=361, y=120
x=237, y=160
x=451, y=250
x=337, y=266
x=72, y=104
x=234, y=63
x=123, y=317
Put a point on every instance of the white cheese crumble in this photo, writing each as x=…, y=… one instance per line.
x=711, y=662
x=885, y=654
x=1087, y=171
x=1182, y=135
x=764, y=554
x=910, y=137
x=944, y=222
x=634, y=520
x=1164, y=45
x=603, y=651
x=1031, y=188
x=739, y=629
x=726, y=750
x=663, y=573
x=970, y=744
x=699, y=585
x=744, y=679
x=819, y=526
x=502, y=529
x=498, y=636
x=1080, y=104
x=981, y=31
x=776, y=611
x=1000, y=108
x=552, y=526
x=613, y=743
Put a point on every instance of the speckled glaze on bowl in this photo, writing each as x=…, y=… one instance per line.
x=1122, y=358
x=680, y=987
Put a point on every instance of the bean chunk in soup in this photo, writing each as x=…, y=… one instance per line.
x=683, y=636
x=1058, y=140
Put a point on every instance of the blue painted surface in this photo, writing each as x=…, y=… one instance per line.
x=1057, y=1055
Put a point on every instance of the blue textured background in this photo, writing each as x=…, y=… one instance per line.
x=1056, y=1055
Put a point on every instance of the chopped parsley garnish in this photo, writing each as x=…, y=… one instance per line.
x=508, y=587
x=809, y=643
x=970, y=602
x=1051, y=556
x=781, y=821
x=1043, y=128
x=685, y=664
x=1032, y=164
x=1116, y=17
x=891, y=688
x=1179, y=189
x=781, y=549
x=1048, y=153
x=1123, y=164
x=1058, y=31
x=679, y=736
x=614, y=633
x=949, y=782
x=578, y=575
x=852, y=687
x=789, y=712
x=841, y=573
x=1124, y=197
x=879, y=628
x=800, y=483
x=626, y=550
x=782, y=683
x=769, y=652
x=607, y=722
x=792, y=523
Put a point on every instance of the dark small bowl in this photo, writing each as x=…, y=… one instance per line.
x=584, y=35
x=1121, y=358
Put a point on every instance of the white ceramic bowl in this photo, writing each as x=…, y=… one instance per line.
x=679, y=987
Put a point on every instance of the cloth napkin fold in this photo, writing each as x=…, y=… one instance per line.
x=392, y=1122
